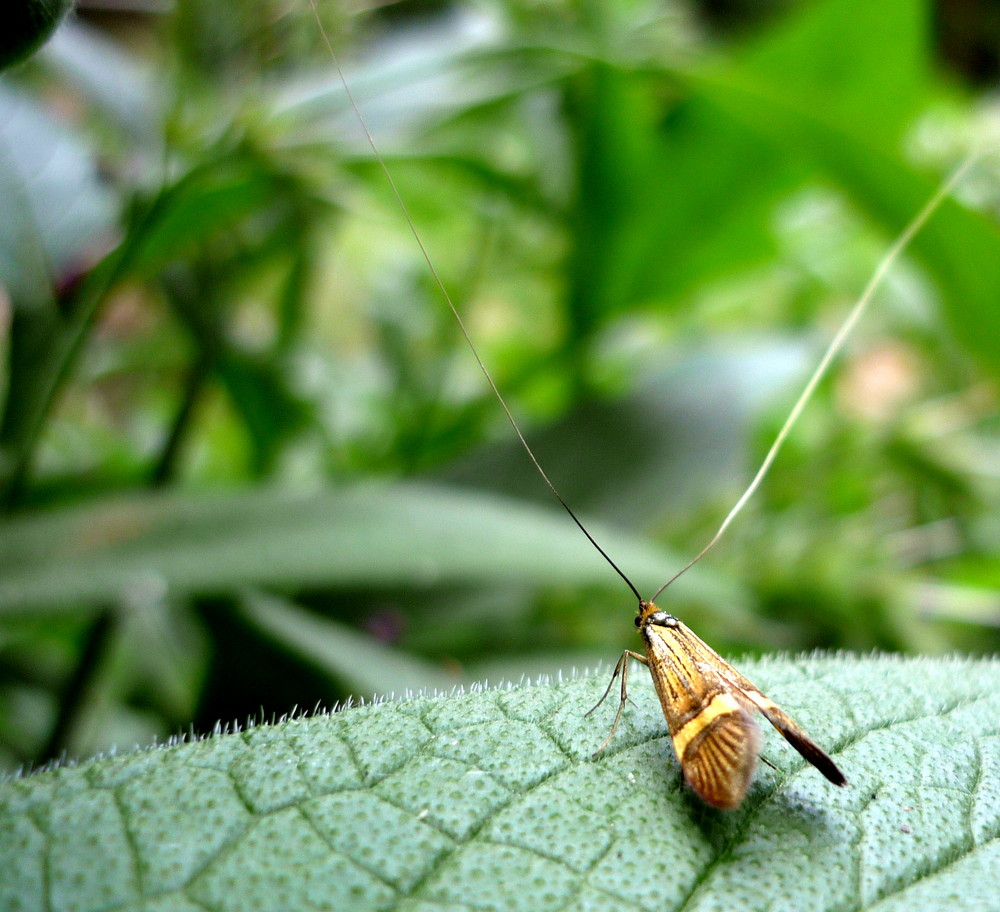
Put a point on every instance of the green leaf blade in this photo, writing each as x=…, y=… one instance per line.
x=490, y=799
x=368, y=534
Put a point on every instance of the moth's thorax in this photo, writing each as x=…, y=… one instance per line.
x=649, y=614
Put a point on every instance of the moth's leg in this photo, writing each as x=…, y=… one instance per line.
x=620, y=669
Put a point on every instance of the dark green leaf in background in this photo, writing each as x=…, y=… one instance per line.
x=25, y=24
x=57, y=221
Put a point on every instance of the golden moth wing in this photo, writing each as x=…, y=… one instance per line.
x=717, y=750
x=711, y=723
x=685, y=673
x=794, y=734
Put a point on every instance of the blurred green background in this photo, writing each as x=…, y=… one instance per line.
x=247, y=462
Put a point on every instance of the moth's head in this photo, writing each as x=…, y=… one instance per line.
x=649, y=613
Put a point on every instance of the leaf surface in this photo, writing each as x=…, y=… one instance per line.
x=490, y=800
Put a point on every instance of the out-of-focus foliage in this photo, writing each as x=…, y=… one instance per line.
x=651, y=220
x=27, y=24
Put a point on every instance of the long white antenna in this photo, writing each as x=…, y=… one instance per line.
x=833, y=349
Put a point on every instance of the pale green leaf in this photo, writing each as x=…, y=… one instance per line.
x=490, y=800
x=390, y=535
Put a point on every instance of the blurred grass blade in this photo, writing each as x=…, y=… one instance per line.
x=389, y=535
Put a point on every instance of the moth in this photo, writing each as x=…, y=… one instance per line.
x=710, y=711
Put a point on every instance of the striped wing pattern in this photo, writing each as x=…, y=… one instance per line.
x=719, y=761
x=709, y=707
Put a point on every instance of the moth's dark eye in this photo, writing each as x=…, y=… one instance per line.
x=638, y=622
